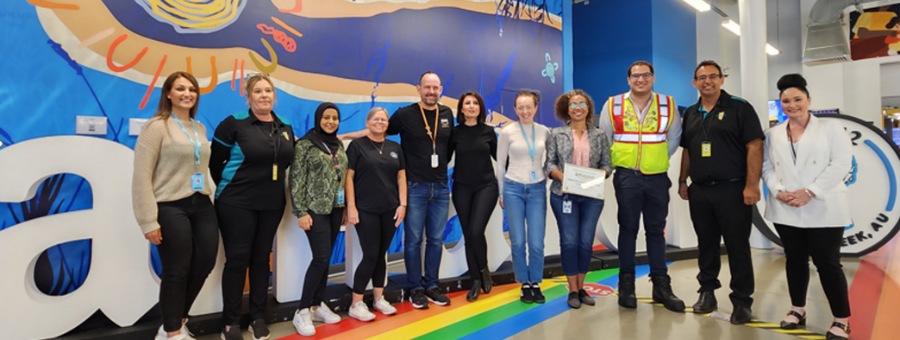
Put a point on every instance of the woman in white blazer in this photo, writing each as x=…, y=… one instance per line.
x=806, y=160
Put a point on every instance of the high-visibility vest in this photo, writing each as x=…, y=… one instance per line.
x=641, y=145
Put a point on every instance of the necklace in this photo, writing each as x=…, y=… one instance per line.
x=380, y=150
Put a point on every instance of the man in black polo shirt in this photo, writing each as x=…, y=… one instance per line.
x=722, y=144
x=424, y=129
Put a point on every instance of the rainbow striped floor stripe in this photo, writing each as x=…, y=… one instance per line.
x=874, y=298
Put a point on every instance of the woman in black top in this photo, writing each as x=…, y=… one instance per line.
x=474, y=185
x=376, y=205
x=251, y=151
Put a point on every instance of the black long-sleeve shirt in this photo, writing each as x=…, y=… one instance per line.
x=474, y=147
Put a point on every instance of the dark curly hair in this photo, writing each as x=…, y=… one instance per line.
x=562, y=105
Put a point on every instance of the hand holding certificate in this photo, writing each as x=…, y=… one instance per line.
x=583, y=181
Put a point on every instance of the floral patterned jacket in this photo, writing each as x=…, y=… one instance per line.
x=314, y=181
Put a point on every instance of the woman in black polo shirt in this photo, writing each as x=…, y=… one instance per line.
x=376, y=205
x=251, y=151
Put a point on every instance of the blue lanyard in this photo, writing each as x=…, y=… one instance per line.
x=531, y=145
x=196, y=144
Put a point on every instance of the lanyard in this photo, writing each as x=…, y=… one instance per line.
x=431, y=135
x=196, y=144
x=531, y=145
x=791, y=140
x=334, y=160
x=703, y=121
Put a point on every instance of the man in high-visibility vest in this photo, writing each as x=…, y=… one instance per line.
x=646, y=129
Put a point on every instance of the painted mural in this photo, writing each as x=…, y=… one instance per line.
x=875, y=32
x=67, y=58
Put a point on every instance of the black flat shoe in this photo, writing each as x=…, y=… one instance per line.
x=832, y=336
x=574, y=301
x=473, y=292
x=793, y=325
x=706, y=303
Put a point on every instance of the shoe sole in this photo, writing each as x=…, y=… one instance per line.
x=252, y=335
x=425, y=306
x=438, y=302
x=301, y=333
x=360, y=318
x=386, y=313
x=326, y=321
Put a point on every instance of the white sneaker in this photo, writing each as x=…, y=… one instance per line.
x=303, y=323
x=360, y=311
x=185, y=334
x=324, y=314
x=384, y=307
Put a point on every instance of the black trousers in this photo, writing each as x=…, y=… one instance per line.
x=188, y=253
x=824, y=246
x=718, y=212
x=474, y=205
x=247, y=237
x=321, y=235
x=375, y=230
x=648, y=195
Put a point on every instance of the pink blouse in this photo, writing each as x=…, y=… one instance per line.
x=581, y=149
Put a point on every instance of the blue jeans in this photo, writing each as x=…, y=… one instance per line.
x=576, y=230
x=428, y=205
x=526, y=210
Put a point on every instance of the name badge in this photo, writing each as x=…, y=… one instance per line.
x=340, y=196
x=197, y=181
x=706, y=149
x=567, y=207
x=533, y=175
x=434, y=161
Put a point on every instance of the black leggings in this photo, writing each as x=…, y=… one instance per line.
x=824, y=246
x=375, y=230
x=321, y=237
x=247, y=236
x=474, y=205
x=188, y=253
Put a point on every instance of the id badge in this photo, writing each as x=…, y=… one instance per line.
x=274, y=172
x=533, y=175
x=567, y=207
x=197, y=181
x=340, y=196
x=706, y=149
x=434, y=161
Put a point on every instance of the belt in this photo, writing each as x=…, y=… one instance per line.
x=717, y=182
x=637, y=172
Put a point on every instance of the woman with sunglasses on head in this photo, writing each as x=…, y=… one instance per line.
x=578, y=143
x=171, y=200
x=474, y=185
x=250, y=156
x=804, y=165
x=523, y=191
x=317, y=192
x=376, y=205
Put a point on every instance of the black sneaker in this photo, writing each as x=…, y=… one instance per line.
x=536, y=292
x=259, y=330
x=526, y=296
x=418, y=299
x=232, y=332
x=435, y=295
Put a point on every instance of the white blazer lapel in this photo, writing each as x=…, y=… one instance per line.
x=783, y=155
x=808, y=141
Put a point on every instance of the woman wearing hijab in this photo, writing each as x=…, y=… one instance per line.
x=317, y=192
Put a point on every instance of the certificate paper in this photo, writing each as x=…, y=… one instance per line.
x=583, y=181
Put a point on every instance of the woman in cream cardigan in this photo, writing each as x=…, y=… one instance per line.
x=806, y=160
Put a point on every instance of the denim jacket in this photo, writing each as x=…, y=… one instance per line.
x=560, y=145
x=313, y=184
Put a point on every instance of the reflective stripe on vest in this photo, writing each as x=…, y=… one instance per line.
x=641, y=143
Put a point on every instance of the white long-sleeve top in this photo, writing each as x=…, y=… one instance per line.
x=511, y=145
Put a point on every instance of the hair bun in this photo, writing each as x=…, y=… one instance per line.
x=791, y=80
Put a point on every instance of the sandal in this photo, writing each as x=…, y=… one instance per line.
x=801, y=320
x=832, y=336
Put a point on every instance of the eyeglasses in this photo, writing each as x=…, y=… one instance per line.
x=637, y=76
x=379, y=120
x=710, y=77
x=577, y=105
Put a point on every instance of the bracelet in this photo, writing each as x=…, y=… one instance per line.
x=682, y=181
x=810, y=193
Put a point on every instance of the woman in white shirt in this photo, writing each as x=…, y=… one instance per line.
x=806, y=160
x=524, y=193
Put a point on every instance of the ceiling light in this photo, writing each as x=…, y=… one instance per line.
x=699, y=5
x=771, y=50
x=732, y=26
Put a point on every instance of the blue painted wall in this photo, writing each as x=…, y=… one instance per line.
x=607, y=36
